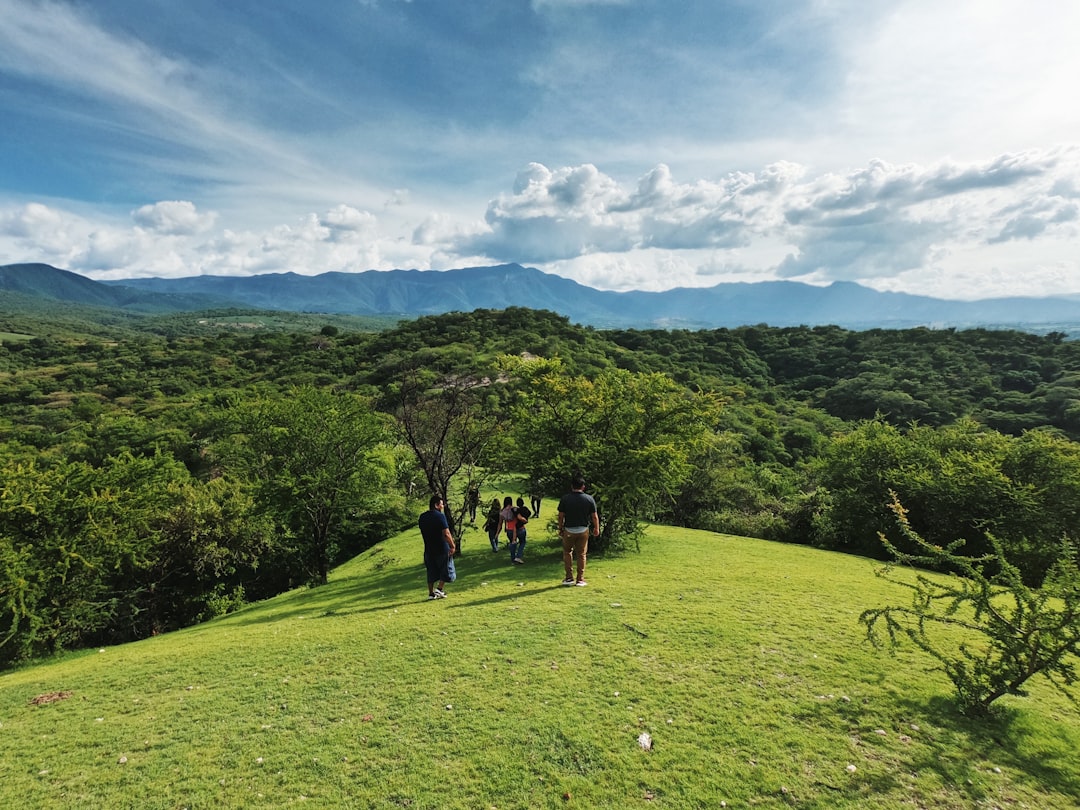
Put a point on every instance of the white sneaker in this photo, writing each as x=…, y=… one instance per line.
x=581, y=583
x=568, y=581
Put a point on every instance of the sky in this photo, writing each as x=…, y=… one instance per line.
x=920, y=146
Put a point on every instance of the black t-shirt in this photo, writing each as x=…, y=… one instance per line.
x=577, y=509
x=432, y=523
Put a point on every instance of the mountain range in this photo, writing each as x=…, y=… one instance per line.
x=411, y=293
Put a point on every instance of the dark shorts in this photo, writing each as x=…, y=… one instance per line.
x=437, y=567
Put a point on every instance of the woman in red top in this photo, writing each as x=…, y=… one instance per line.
x=508, y=516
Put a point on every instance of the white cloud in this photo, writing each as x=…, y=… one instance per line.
x=654, y=270
x=984, y=76
x=32, y=221
x=869, y=223
x=173, y=218
x=881, y=224
x=40, y=233
x=345, y=223
x=172, y=238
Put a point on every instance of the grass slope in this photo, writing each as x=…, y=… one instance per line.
x=742, y=659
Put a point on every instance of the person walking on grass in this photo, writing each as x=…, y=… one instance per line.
x=522, y=514
x=438, y=547
x=472, y=501
x=508, y=516
x=493, y=525
x=577, y=517
x=535, y=497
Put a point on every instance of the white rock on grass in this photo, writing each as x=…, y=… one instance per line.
x=645, y=741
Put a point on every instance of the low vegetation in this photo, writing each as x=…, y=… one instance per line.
x=259, y=485
x=1006, y=633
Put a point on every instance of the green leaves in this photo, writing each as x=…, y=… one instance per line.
x=316, y=460
x=631, y=434
x=960, y=482
x=990, y=632
x=118, y=552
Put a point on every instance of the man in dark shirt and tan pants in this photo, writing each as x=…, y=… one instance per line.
x=577, y=517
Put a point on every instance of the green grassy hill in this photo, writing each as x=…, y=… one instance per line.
x=743, y=660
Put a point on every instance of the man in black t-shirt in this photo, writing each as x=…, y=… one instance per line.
x=577, y=517
x=438, y=547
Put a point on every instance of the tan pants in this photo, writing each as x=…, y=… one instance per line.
x=575, y=547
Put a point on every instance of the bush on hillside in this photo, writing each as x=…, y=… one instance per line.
x=962, y=483
x=1010, y=631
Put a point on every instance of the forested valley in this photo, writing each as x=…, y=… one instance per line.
x=159, y=472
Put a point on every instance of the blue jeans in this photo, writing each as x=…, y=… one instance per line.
x=517, y=550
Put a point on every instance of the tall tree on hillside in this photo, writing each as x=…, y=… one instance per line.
x=108, y=554
x=632, y=435
x=450, y=426
x=318, y=461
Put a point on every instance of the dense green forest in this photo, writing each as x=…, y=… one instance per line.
x=161, y=470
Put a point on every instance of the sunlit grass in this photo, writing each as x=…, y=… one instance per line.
x=743, y=660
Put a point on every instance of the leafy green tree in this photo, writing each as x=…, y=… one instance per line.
x=961, y=482
x=104, y=555
x=53, y=589
x=320, y=465
x=196, y=543
x=1010, y=632
x=872, y=393
x=731, y=493
x=632, y=435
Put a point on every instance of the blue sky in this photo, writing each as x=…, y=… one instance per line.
x=913, y=145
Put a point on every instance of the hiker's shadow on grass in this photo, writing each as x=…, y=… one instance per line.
x=382, y=589
x=459, y=595
x=503, y=597
x=475, y=571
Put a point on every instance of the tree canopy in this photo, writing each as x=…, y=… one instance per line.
x=160, y=470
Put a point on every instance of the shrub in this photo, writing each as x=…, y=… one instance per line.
x=1011, y=631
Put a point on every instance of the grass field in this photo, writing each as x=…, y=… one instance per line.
x=743, y=660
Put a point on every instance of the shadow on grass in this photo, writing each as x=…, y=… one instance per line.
x=1005, y=738
x=381, y=584
x=960, y=749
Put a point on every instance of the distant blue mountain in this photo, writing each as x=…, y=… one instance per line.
x=411, y=293
x=47, y=283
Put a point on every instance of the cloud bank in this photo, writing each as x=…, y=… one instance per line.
x=628, y=144
x=878, y=222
